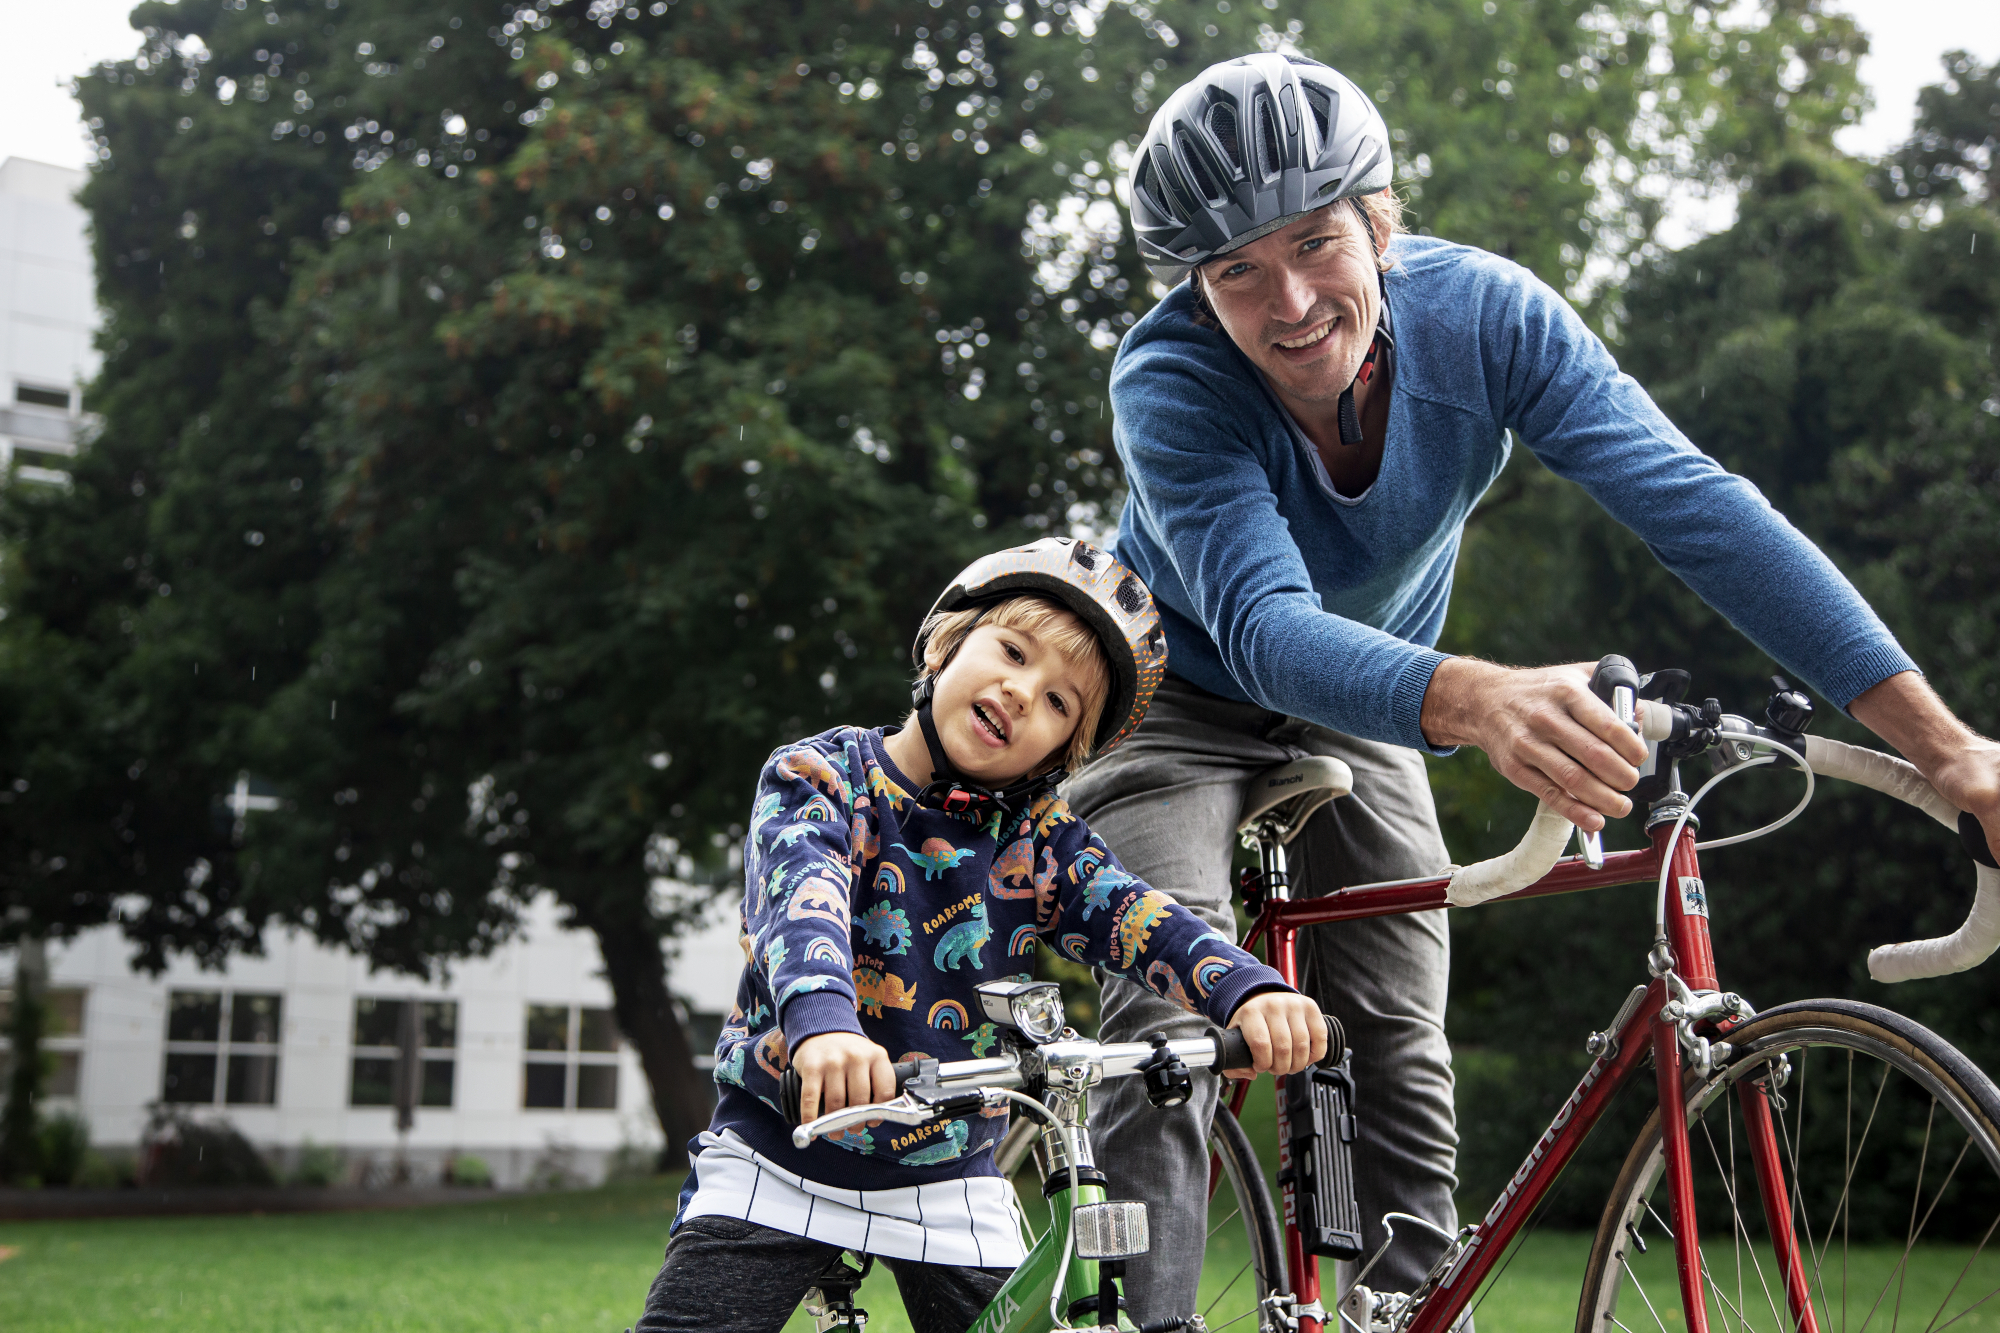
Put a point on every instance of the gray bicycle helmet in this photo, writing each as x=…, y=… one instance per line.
x=1246, y=147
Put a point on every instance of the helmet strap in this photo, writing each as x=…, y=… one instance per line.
x=1350, y=418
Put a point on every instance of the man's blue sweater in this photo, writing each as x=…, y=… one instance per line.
x=1277, y=590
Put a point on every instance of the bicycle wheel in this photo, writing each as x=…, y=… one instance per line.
x=1253, y=1268
x=1889, y=1145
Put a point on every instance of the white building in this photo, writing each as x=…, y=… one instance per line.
x=522, y=1064
x=48, y=311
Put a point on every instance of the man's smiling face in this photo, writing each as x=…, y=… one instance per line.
x=1301, y=303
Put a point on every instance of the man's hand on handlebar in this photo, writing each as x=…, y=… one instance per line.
x=841, y=1069
x=1284, y=1030
x=1543, y=730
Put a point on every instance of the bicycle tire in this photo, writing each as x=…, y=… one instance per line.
x=1263, y=1237
x=1885, y=1078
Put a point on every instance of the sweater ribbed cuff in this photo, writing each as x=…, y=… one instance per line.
x=815, y=1012
x=1238, y=986
x=1406, y=703
x=1865, y=672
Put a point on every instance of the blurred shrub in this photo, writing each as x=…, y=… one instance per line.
x=319, y=1165
x=469, y=1171
x=180, y=1151
x=65, y=1141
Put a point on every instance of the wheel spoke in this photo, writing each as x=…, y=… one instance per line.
x=1736, y=1224
x=1830, y=1174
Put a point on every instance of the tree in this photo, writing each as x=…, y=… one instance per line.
x=514, y=426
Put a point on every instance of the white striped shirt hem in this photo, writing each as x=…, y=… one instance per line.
x=974, y=1221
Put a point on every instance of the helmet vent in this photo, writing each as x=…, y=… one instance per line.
x=1197, y=170
x=1321, y=100
x=1130, y=596
x=1084, y=554
x=1169, y=188
x=1267, y=138
x=1222, y=124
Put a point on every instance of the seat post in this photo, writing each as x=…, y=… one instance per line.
x=1271, y=861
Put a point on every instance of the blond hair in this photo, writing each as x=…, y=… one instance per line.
x=1059, y=629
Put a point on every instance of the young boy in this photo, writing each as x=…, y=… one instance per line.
x=888, y=873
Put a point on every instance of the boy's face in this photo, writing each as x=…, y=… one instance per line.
x=1006, y=704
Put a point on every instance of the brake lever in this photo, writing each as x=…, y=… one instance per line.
x=904, y=1110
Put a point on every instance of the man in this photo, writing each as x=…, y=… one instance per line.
x=1301, y=466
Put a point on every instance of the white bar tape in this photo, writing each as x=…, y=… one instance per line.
x=1533, y=857
x=1965, y=948
x=1884, y=772
x=1973, y=942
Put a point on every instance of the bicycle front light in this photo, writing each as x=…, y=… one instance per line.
x=1034, y=1008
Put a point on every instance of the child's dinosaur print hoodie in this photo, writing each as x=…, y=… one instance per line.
x=866, y=912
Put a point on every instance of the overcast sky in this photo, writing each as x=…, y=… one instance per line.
x=53, y=40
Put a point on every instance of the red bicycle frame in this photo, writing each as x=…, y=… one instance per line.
x=1643, y=1031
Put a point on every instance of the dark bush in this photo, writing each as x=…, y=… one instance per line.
x=181, y=1151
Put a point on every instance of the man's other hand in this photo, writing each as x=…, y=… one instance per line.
x=1542, y=729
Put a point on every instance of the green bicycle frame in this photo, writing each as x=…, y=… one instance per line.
x=1022, y=1304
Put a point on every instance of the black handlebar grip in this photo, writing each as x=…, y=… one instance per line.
x=1336, y=1043
x=1232, y=1050
x=791, y=1088
x=1613, y=671
x=1973, y=835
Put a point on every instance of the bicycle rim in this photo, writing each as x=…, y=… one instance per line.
x=1888, y=1141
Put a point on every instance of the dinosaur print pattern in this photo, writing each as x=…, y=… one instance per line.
x=937, y=856
x=813, y=767
x=853, y=889
x=886, y=927
x=818, y=898
x=1164, y=982
x=1135, y=925
x=1017, y=863
x=963, y=941
x=873, y=990
x=802, y=986
x=947, y=1149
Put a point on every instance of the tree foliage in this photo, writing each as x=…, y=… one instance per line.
x=520, y=417
x=1838, y=354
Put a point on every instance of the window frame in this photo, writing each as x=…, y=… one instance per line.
x=226, y=1049
x=573, y=1059
x=427, y=1055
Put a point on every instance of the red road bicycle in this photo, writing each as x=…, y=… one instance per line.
x=1782, y=1137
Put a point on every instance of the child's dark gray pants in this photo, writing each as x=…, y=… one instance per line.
x=722, y=1275
x=1166, y=802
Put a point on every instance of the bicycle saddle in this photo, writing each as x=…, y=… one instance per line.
x=1290, y=793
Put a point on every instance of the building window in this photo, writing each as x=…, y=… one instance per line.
x=223, y=1046
x=572, y=1059
x=378, y=1045
x=41, y=395
x=62, y=1038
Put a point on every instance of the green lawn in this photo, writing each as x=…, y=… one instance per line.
x=582, y=1261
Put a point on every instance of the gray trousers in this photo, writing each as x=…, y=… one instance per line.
x=1166, y=802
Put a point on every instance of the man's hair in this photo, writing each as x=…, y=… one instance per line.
x=1059, y=629
x=1385, y=214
